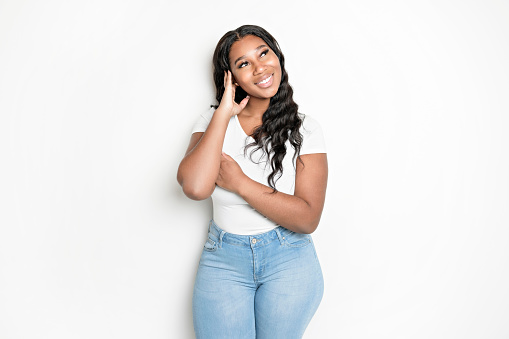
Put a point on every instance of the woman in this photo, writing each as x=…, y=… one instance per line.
x=265, y=166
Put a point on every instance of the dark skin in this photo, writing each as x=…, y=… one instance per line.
x=256, y=69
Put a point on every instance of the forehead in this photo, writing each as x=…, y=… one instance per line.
x=245, y=46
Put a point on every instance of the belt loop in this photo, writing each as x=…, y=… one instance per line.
x=279, y=236
x=221, y=238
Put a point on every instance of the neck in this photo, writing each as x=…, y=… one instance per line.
x=255, y=108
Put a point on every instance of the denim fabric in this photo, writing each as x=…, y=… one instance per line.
x=256, y=286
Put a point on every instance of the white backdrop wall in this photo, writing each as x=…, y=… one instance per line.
x=97, y=99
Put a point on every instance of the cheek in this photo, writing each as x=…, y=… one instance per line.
x=243, y=81
x=237, y=76
x=280, y=75
x=275, y=62
x=277, y=67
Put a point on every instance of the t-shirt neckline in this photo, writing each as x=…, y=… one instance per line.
x=240, y=127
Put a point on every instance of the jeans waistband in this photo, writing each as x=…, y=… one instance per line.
x=247, y=240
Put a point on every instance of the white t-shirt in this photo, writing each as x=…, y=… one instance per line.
x=232, y=213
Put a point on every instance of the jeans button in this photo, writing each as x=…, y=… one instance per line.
x=253, y=241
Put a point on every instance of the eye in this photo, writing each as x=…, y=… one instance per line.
x=242, y=64
x=264, y=53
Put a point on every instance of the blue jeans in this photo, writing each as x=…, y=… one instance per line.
x=262, y=286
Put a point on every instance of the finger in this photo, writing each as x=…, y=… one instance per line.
x=227, y=156
x=223, y=163
x=226, y=79
x=243, y=103
x=234, y=82
x=219, y=180
x=229, y=78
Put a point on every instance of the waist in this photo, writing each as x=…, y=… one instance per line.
x=240, y=219
x=260, y=239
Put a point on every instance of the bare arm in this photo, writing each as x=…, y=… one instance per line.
x=299, y=212
x=198, y=170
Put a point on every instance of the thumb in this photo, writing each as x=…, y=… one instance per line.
x=243, y=103
x=227, y=156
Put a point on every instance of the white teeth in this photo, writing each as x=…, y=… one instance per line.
x=265, y=81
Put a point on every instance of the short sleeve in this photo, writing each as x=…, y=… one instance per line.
x=203, y=121
x=313, y=139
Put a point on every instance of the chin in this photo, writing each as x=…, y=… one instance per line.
x=274, y=93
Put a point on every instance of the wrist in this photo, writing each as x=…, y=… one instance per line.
x=224, y=112
x=243, y=186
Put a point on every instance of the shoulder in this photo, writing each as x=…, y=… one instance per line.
x=313, y=138
x=309, y=124
x=203, y=120
x=209, y=113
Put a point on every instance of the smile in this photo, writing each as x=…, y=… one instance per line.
x=265, y=82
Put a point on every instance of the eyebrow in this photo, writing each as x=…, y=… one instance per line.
x=242, y=57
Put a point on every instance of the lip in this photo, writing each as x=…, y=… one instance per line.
x=268, y=83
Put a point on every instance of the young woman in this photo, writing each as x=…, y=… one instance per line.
x=265, y=166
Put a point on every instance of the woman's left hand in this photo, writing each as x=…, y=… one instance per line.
x=230, y=174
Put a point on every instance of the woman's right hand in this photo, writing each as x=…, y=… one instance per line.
x=228, y=100
x=205, y=148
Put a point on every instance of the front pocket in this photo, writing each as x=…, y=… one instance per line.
x=293, y=239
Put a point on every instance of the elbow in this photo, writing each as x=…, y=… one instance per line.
x=193, y=191
x=312, y=228
x=310, y=224
x=196, y=192
x=309, y=228
x=196, y=195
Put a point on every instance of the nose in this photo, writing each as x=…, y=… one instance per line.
x=258, y=68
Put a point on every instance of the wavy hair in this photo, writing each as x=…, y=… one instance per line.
x=281, y=121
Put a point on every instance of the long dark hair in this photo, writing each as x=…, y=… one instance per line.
x=281, y=121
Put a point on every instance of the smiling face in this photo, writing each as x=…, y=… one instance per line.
x=255, y=67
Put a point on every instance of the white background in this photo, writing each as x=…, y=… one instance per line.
x=97, y=100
